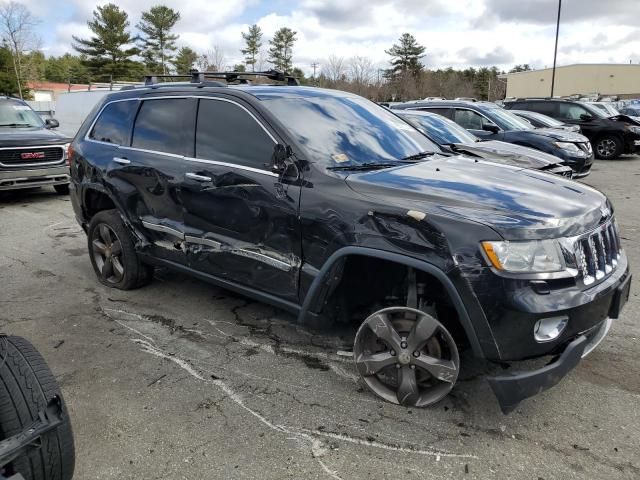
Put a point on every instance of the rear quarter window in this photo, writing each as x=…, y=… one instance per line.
x=114, y=122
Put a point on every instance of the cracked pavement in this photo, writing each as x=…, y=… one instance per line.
x=183, y=380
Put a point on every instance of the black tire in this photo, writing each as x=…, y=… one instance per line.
x=127, y=271
x=62, y=189
x=26, y=386
x=608, y=147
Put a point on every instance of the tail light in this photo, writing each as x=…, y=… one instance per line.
x=69, y=152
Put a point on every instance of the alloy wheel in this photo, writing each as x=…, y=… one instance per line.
x=606, y=147
x=106, y=249
x=406, y=356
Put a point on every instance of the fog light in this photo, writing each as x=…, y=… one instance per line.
x=547, y=329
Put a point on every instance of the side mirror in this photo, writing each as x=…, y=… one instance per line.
x=281, y=158
x=586, y=117
x=51, y=123
x=488, y=127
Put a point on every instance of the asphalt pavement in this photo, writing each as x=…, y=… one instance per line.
x=182, y=380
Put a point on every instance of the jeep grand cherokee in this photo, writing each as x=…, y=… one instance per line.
x=327, y=205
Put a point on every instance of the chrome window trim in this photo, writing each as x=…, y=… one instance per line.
x=37, y=164
x=192, y=159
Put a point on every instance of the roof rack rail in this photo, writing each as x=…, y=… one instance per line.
x=196, y=76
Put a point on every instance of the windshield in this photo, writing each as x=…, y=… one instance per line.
x=439, y=128
x=349, y=130
x=505, y=119
x=545, y=120
x=16, y=114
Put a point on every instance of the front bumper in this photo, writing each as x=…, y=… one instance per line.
x=511, y=389
x=37, y=177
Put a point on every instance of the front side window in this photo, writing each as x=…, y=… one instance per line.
x=160, y=125
x=571, y=111
x=114, y=123
x=225, y=132
x=469, y=119
x=347, y=130
x=441, y=129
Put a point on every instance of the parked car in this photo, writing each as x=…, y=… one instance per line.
x=455, y=139
x=331, y=207
x=32, y=153
x=610, y=136
x=491, y=122
x=538, y=120
x=632, y=110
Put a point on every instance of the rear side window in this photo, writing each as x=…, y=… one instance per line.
x=225, y=132
x=445, y=112
x=160, y=125
x=114, y=123
x=546, y=108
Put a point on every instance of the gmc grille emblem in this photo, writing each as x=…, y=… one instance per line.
x=31, y=155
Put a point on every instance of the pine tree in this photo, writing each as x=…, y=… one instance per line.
x=281, y=50
x=253, y=41
x=106, y=52
x=405, y=56
x=158, y=44
x=184, y=60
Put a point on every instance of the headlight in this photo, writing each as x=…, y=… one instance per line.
x=535, y=256
x=634, y=129
x=569, y=147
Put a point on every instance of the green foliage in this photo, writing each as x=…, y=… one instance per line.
x=66, y=68
x=106, y=53
x=520, y=68
x=159, y=44
x=405, y=56
x=253, y=41
x=239, y=67
x=281, y=50
x=8, y=83
x=184, y=60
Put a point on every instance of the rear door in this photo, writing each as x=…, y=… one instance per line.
x=242, y=218
x=152, y=171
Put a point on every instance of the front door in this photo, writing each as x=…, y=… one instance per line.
x=474, y=122
x=241, y=217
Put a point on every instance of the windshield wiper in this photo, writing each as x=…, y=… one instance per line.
x=417, y=156
x=16, y=125
x=364, y=166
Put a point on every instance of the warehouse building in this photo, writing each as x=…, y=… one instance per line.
x=605, y=79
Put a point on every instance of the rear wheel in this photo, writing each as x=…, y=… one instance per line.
x=113, y=255
x=406, y=356
x=26, y=386
x=608, y=147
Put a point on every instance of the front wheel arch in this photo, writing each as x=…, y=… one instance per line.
x=315, y=296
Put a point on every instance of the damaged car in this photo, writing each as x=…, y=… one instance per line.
x=453, y=138
x=333, y=208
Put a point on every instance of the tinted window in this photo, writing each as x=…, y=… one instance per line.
x=546, y=108
x=571, y=111
x=440, y=111
x=440, y=129
x=227, y=133
x=469, y=119
x=159, y=125
x=114, y=123
x=347, y=130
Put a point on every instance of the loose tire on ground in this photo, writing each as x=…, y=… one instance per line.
x=113, y=255
x=608, y=147
x=26, y=386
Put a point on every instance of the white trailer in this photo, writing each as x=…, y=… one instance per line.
x=73, y=107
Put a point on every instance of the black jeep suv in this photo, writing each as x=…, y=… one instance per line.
x=31, y=153
x=329, y=206
x=610, y=136
x=489, y=121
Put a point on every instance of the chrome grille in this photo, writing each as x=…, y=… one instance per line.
x=597, y=253
x=46, y=155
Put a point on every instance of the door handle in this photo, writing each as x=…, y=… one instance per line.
x=197, y=178
x=122, y=161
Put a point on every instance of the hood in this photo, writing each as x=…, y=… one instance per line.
x=25, y=137
x=510, y=154
x=517, y=203
x=561, y=135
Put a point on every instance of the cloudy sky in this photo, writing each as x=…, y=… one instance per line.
x=456, y=33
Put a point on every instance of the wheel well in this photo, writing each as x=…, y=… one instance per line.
x=367, y=284
x=96, y=201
